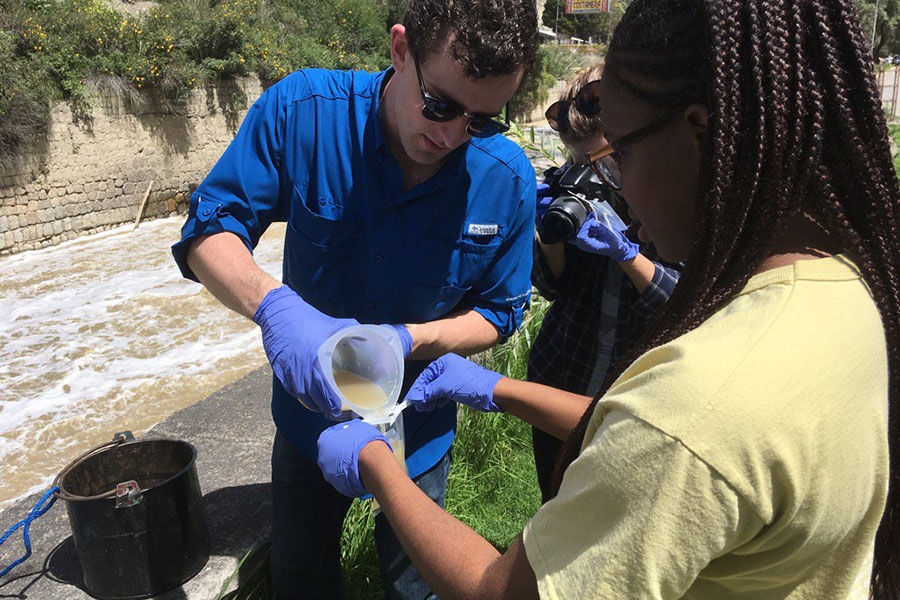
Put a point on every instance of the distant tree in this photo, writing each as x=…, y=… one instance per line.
x=599, y=26
x=885, y=24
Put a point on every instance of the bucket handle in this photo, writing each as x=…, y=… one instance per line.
x=49, y=498
x=119, y=438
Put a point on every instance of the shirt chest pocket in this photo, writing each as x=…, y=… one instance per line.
x=444, y=274
x=462, y=264
x=317, y=243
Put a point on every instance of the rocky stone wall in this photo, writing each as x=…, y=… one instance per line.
x=91, y=174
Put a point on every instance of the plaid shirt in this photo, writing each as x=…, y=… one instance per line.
x=596, y=311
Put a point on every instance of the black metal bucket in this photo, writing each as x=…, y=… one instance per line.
x=137, y=518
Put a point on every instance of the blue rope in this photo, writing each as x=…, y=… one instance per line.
x=38, y=510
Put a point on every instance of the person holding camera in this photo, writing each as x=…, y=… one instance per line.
x=603, y=283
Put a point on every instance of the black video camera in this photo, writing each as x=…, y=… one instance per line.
x=574, y=189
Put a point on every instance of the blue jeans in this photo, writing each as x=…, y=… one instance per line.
x=307, y=518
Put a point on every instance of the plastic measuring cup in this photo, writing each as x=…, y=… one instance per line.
x=363, y=364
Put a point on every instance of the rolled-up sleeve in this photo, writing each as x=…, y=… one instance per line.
x=503, y=294
x=243, y=192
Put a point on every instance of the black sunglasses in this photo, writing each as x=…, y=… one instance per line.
x=605, y=159
x=441, y=111
x=586, y=100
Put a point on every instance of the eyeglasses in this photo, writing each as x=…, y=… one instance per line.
x=606, y=160
x=586, y=100
x=441, y=111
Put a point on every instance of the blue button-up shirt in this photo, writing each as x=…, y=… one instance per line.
x=311, y=152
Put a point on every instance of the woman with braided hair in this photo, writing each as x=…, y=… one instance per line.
x=749, y=445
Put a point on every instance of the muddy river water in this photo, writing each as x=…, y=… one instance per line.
x=102, y=334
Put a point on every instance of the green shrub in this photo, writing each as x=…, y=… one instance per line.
x=553, y=63
x=562, y=61
x=330, y=34
x=534, y=89
x=357, y=34
x=25, y=96
x=52, y=49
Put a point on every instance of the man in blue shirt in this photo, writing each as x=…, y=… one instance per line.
x=403, y=207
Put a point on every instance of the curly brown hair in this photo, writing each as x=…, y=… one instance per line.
x=487, y=37
x=796, y=128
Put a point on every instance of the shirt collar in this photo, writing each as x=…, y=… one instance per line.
x=380, y=83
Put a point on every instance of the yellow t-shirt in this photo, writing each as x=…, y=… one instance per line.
x=745, y=459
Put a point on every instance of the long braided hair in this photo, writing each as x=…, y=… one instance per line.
x=796, y=129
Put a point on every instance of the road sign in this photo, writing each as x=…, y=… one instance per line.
x=587, y=6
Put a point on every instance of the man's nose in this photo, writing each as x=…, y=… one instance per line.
x=454, y=133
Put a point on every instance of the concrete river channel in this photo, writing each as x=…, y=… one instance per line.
x=102, y=334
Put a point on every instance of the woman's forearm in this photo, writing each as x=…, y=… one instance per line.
x=549, y=409
x=555, y=257
x=455, y=561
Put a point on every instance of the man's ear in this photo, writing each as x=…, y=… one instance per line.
x=697, y=117
x=399, y=47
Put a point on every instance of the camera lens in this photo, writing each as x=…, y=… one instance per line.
x=563, y=219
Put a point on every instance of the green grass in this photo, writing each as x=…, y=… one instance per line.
x=492, y=485
x=894, y=133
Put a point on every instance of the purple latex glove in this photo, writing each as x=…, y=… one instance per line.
x=406, y=340
x=544, y=200
x=596, y=237
x=339, y=448
x=452, y=377
x=292, y=331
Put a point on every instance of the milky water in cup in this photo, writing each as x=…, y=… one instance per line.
x=363, y=366
x=360, y=391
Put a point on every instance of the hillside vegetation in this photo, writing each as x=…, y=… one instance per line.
x=63, y=49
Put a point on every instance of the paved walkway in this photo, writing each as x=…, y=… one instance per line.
x=232, y=431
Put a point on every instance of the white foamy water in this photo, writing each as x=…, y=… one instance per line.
x=102, y=334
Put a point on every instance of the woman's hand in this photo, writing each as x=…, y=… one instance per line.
x=339, y=448
x=600, y=236
x=452, y=377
